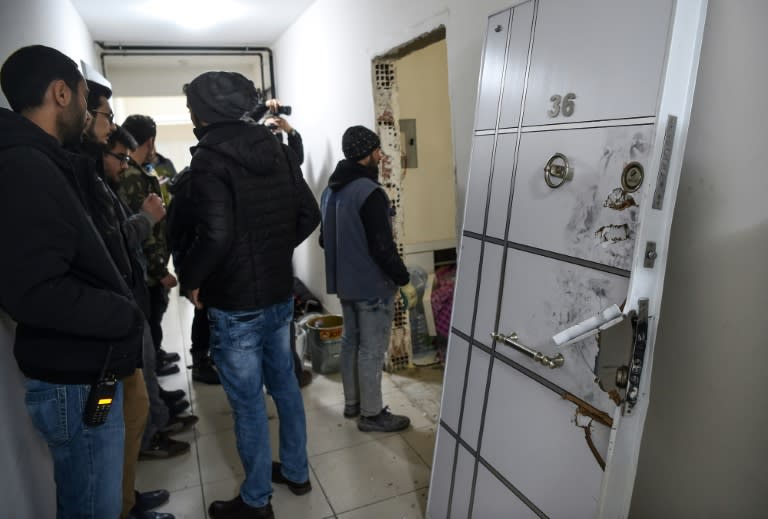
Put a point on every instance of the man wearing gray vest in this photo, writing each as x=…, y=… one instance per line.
x=363, y=267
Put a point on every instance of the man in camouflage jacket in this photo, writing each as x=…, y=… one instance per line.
x=137, y=183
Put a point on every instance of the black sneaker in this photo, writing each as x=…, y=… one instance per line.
x=305, y=378
x=172, y=396
x=179, y=424
x=166, y=368
x=383, y=422
x=350, y=411
x=297, y=488
x=163, y=447
x=146, y=501
x=203, y=371
x=166, y=356
x=177, y=408
x=237, y=508
x=150, y=515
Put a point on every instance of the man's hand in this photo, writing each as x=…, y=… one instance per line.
x=169, y=281
x=409, y=296
x=153, y=205
x=273, y=105
x=282, y=124
x=194, y=297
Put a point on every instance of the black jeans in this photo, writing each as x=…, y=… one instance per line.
x=158, y=304
x=298, y=365
x=201, y=334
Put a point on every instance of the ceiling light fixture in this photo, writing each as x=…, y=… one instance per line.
x=194, y=14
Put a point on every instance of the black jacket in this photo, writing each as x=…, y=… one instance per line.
x=57, y=280
x=122, y=232
x=180, y=217
x=253, y=208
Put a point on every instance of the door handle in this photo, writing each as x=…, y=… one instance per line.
x=511, y=340
x=555, y=175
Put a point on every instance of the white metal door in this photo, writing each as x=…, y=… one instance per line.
x=580, y=126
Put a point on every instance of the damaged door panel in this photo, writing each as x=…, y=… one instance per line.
x=543, y=296
x=589, y=217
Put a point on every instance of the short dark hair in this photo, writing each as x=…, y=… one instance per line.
x=27, y=73
x=141, y=127
x=95, y=92
x=122, y=136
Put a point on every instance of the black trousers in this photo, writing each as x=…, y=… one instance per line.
x=298, y=366
x=158, y=304
x=201, y=334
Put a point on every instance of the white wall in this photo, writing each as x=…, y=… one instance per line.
x=54, y=23
x=323, y=69
x=705, y=445
x=26, y=481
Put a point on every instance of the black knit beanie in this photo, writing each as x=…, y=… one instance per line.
x=358, y=142
x=217, y=97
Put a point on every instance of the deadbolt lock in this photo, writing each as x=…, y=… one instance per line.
x=622, y=377
x=632, y=177
x=557, y=171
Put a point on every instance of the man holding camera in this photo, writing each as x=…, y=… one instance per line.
x=278, y=125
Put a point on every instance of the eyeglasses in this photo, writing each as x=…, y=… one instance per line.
x=109, y=115
x=122, y=157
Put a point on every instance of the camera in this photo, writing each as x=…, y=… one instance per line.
x=283, y=110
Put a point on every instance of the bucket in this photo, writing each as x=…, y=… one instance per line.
x=324, y=342
x=302, y=332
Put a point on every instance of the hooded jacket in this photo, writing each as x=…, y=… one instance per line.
x=253, y=208
x=57, y=280
x=365, y=235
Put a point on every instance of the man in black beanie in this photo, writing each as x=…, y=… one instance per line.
x=253, y=208
x=363, y=267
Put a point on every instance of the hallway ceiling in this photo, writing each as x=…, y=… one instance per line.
x=189, y=22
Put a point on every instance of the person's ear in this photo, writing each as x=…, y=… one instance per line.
x=60, y=93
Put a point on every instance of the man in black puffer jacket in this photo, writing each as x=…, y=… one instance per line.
x=253, y=209
x=76, y=316
x=180, y=235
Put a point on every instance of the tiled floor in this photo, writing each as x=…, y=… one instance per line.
x=354, y=475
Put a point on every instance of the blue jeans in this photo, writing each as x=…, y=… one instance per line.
x=251, y=349
x=367, y=328
x=87, y=461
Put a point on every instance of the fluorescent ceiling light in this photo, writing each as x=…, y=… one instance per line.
x=193, y=14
